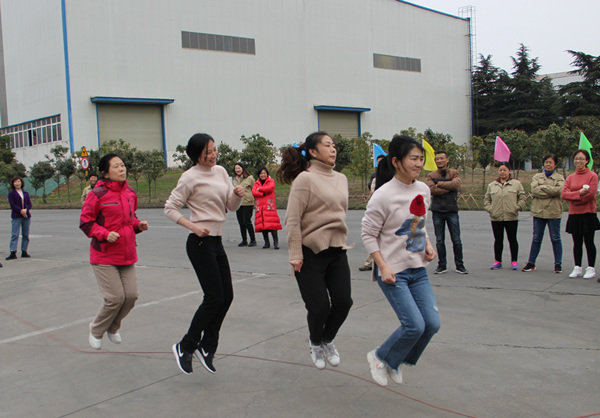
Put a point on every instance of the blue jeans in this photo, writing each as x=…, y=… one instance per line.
x=539, y=225
x=19, y=224
x=413, y=301
x=440, y=219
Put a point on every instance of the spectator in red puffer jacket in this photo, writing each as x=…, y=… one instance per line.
x=266, y=218
x=108, y=218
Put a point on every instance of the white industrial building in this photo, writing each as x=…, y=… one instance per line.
x=153, y=72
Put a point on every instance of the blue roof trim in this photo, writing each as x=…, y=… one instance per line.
x=130, y=100
x=432, y=10
x=344, y=109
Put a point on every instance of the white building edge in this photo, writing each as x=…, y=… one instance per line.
x=151, y=72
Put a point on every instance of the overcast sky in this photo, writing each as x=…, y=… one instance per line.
x=547, y=27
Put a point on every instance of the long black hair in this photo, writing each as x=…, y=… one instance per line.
x=294, y=160
x=400, y=147
x=196, y=145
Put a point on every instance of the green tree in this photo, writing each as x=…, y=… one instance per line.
x=181, y=157
x=531, y=102
x=7, y=156
x=582, y=98
x=518, y=142
x=556, y=140
x=122, y=148
x=438, y=141
x=485, y=152
x=8, y=171
x=41, y=172
x=343, y=147
x=362, y=159
x=227, y=157
x=153, y=167
x=63, y=166
x=259, y=152
x=490, y=96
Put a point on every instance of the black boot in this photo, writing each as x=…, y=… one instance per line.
x=252, y=237
x=275, y=240
x=12, y=256
x=266, y=237
x=25, y=255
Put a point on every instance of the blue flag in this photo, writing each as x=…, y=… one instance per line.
x=377, y=152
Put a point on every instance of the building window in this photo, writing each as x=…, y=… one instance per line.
x=390, y=62
x=210, y=42
x=35, y=132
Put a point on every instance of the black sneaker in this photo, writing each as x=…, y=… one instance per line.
x=558, y=268
x=252, y=244
x=440, y=270
x=184, y=359
x=462, y=270
x=528, y=267
x=243, y=244
x=24, y=254
x=206, y=359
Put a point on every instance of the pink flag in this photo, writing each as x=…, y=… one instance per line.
x=501, y=152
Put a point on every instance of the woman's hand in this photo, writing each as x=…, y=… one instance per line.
x=112, y=236
x=429, y=251
x=583, y=192
x=24, y=213
x=199, y=230
x=239, y=190
x=297, y=264
x=387, y=275
x=143, y=226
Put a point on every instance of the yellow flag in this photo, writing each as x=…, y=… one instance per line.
x=429, y=157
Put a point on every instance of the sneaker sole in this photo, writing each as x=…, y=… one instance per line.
x=461, y=272
x=174, y=348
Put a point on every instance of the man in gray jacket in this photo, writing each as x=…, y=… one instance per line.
x=444, y=184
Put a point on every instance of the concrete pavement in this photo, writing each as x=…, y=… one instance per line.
x=512, y=344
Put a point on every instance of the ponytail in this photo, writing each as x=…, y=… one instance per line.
x=295, y=159
x=385, y=171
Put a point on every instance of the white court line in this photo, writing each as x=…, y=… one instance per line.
x=84, y=320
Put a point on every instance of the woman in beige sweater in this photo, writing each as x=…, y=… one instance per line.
x=316, y=229
x=244, y=213
x=207, y=191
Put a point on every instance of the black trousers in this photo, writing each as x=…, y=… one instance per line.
x=590, y=248
x=324, y=283
x=212, y=268
x=244, y=217
x=498, y=227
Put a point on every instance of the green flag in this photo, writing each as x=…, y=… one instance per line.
x=585, y=144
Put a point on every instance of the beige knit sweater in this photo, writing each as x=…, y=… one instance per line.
x=207, y=192
x=316, y=210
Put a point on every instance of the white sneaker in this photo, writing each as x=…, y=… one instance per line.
x=94, y=342
x=576, y=272
x=378, y=369
x=590, y=273
x=317, y=354
x=396, y=375
x=115, y=338
x=331, y=353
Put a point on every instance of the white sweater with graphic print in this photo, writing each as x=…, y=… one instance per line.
x=389, y=227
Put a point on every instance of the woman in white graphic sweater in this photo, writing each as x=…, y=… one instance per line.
x=393, y=231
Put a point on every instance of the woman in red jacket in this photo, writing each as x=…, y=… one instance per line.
x=266, y=217
x=108, y=218
x=580, y=191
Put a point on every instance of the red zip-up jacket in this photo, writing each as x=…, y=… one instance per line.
x=111, y=206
